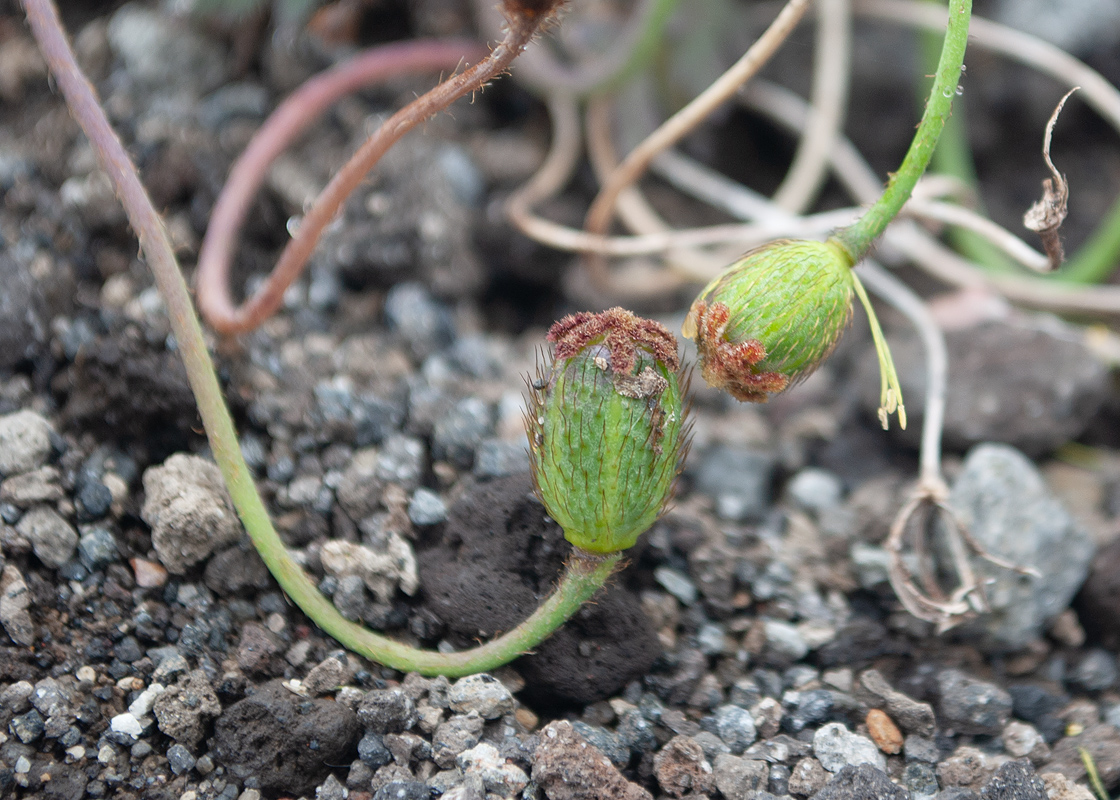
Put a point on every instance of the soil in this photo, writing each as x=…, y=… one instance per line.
x=382, y=408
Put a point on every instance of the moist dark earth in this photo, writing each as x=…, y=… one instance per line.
x=751, y=648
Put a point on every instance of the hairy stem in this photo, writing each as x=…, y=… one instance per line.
x=584, y=574
x=214, y=299
x=858, y=237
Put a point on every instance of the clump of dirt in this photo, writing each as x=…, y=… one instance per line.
x=490, y=565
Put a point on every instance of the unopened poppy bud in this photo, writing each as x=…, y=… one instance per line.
x=772, y=317
x=606, y=427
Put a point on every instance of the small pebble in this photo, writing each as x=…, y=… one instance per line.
x=676, y=584
x=25, y=442
x=884, y=732
x=426, y=508
x=483, y=694
x=180, y=759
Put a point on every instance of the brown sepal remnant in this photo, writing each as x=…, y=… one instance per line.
x=731, y=366
x=621, y=331
x=530, y=10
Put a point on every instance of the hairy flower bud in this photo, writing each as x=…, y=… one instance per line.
x=606, y=427
x=770, y=318
x=773, y=316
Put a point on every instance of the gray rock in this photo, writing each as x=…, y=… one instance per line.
x=183, y=711
x=164, y=52
x=15, y=600
x=676, y=584
x=387, y=711
x=325, y=677
x=189, y=510
x=863, y=782
x=970, y=706
x=31, y=488
x=1095, y=672
x=458, y=433
x=461, y=732
x=836, y=747
x=568, y=768
x=610, y=744
x=735, y=726
x=484, y=694
x=498, y=775
x=401, y=460
x=426, y=508
x=180, y=759
x=23, y=313
x=373, y=752
x=1033, y=384
x=423, y=323
x=738, y=478
x=497, y=458
x=909, y=714
x=1015, y=780
x=815, y=490
x=784, y=643
x=97, y=547
x=25, y=442
x=920, y=778
x=735, y=776
x=1002, y=499
x=53, y=539
x=680, y=767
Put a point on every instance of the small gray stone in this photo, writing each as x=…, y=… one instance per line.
x=28, y=727
x=610, y=744
x=815, y=490
x=97, y=547
x=458, y=433
x=970, y=706
x=401, y=460
x=52, y=538
x=387, y=711
x=325, y=677
x=180, y=759
x=735, y=726
x=863, y=782
x=1002, y=499
x=498, y=775
x=735, y=777
x=189, y=510
x=25, y=442
x=163, y=51
x=497, y=458
x=1015, y=780
x=920, y=778
x=373, y=752
x=784, y=642
x=423, y=323
x=183, y=710
x=461, y=732
x=711, y=639
x=483, y=694
x=15, y=600
x=920, y=748
x=38, y=486
x=1095, y=672
x=738, y=478
x=426, y=508
x=676, y=584
x=836, y=747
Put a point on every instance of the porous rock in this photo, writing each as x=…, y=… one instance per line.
x=680, y=767
x=189, y=510
x=488, y=568
x=53, y=539
x=25, y=442
x=568, y=768
x=183, y=710
x=287, y=742
x=1015, y=780
x=863, y=782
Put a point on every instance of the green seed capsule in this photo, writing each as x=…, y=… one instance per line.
x=769, y=319
x=606, y=428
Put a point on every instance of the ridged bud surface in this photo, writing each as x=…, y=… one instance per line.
x=606, y=428
x=771, y=318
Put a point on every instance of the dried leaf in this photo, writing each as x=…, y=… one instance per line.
x=1045, y=217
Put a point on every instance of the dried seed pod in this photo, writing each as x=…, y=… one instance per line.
x=772, y=317
x=606, y=427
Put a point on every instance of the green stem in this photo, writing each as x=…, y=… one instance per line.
x=584, y=574
x=953, y=156
x=860, y=235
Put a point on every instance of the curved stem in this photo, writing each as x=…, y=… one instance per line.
x=214, y=298
x=858, y=238
x=584, y=574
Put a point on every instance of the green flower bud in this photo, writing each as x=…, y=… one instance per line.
x=772, y=317
x=606, y=427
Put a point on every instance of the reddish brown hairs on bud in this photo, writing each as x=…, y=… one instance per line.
x=530, y=10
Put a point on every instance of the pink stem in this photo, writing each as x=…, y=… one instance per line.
x=294, y=116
